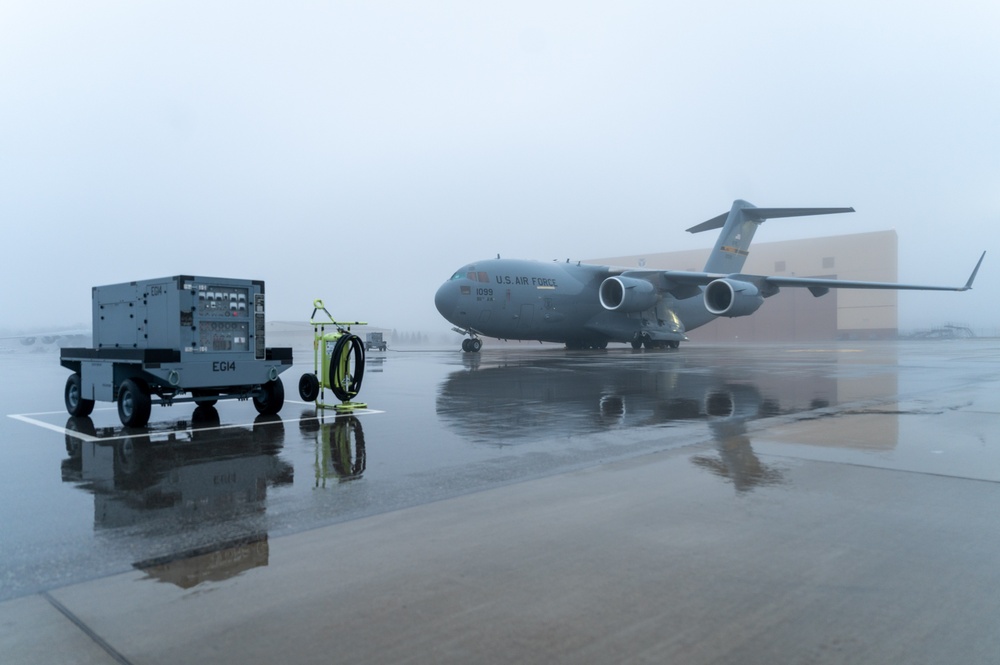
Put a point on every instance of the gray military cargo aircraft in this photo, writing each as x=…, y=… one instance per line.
x=588, y=306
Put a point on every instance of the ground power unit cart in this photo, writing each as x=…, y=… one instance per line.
x=176, y=339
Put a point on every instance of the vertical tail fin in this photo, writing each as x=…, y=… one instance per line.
x=739, y=225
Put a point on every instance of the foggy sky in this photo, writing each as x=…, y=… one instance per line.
x=361, y=152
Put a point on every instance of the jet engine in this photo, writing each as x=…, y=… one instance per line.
x=730, y=297
x=627, y=294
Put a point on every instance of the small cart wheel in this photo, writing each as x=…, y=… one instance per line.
x=134, y=403
x=75, y=403
x=200, y=396
x=271, y=398
x=308, y=387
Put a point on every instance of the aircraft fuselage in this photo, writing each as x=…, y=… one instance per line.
x=553, y=302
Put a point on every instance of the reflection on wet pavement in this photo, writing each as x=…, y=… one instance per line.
x=211, y=564
x=199, y=493
x=340, y=446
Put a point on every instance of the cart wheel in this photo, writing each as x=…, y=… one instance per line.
x=205, y=393
x=308, y=387
x=75, y=403
x=271, y=398
x=133, y=403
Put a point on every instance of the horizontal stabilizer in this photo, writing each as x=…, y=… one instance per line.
x=760, y=214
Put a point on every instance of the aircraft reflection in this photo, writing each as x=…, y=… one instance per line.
x=559, y=397
x=736, y=460
x=190, y=476
x=340, y=446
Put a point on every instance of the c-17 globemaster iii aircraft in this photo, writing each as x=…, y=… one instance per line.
x=587, y=306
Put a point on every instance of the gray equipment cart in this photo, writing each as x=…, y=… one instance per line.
x=175, y=336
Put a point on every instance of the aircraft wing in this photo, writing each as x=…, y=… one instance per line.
x=684, y=284
x=680, y=284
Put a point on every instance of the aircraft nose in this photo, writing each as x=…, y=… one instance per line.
x=446, y=299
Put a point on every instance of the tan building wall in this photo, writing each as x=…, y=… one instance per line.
x=794, y=314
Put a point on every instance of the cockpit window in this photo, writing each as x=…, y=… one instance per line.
x=472, y=276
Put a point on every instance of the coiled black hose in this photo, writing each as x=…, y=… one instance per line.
x=340, y=362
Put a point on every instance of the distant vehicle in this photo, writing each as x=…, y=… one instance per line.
x=588, y=306
x=374, y=340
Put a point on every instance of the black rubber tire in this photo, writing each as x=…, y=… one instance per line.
x=134, y=404
x=205, y=393
x=308, y=387
x=205, y=415
x=75, y=403
x=475, y=345
x=465, y=345
x=271, y=399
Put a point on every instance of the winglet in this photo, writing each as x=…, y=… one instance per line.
x=972, y=277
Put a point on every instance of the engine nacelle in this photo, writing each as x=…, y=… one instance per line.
x=729, y=297
x=627, y=294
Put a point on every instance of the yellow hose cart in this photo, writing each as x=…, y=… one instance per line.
x=338, y=363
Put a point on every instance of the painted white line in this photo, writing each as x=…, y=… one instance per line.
x=159, y=434
x=55, y=428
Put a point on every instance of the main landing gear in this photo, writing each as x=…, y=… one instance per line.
x=644, y=340
x=472, y=345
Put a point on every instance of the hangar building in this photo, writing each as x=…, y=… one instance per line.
x=794, y=314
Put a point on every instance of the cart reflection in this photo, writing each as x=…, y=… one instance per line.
x=196, y=483
x=340, y=446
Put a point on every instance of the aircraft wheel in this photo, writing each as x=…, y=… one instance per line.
x=465, y=345
x=75, y=403
x=475, y=345
x=134, y=403
x=271, y=399
x=674, y=344
x=308, y=387
x=636, y=343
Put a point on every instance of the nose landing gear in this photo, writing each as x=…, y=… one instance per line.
x=471, y=345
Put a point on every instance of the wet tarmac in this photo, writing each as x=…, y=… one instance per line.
x=787, y=503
